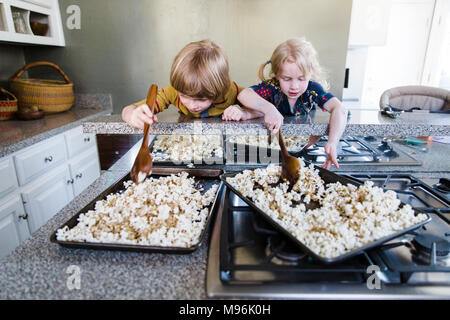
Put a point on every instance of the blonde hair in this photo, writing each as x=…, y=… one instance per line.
x=201, y=70
x=300, y=51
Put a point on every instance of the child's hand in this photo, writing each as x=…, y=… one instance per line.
x=312, y=140
x=136, y=116
x=330, y=149
x=234, y=113
x=273, y=120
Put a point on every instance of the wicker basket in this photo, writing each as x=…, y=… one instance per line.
x=8, y=104
x=50, y=96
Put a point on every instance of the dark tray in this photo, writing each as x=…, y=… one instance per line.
x=172, y=163
x=262, y=155
x=205, y=177
x=328, y=177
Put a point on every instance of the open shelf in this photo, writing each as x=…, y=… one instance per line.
x=21, y=19
x=31, y=21
x=40, y=24
x=3, y=25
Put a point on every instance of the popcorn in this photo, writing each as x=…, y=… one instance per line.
x=165, y=211
x=187, y=147
x=347, y=217
x=293, y=143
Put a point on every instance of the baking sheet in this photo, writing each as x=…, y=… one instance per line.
x=173, y=163
x=256, y=154
x=204, y=177
x=328, y=177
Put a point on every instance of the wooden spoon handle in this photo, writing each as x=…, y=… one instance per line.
x=282, y=145
x=151, y=98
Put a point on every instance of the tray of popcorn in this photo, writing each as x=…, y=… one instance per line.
x=329, y=217
x=169, y=213
x=261, y=148
x=190, y=150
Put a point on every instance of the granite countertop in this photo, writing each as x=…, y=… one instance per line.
x=361, y=122
x=16, y=135
x=38, y=269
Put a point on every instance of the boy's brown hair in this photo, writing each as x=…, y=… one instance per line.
x=201, y=70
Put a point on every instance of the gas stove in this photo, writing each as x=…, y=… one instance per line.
x=248, y=258
x=352, y=150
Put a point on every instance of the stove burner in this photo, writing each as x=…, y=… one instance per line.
x=370, y=138
x=390, y=153
x=424, y=242
x=423, y=245
x=443, y=185
x=283, y=251
x=384, y=146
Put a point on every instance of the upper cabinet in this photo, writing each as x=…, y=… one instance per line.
x=369, y=22
x=31, y=22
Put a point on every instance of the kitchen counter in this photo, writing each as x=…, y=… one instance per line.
x=16, y=135
x=361, y=122
x=38, y=269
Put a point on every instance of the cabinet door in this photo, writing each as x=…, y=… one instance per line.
x=78, y=142
x=85, y=169
x=8, y=180
x=47, y=196
x=13, y=225
x=40, y=158
x=369, y=22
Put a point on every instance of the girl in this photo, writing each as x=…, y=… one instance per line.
x=296, y=86
x=200, y=86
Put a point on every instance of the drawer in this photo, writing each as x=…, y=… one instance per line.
x=8, y=180
x=77, y=141
x=39, y=158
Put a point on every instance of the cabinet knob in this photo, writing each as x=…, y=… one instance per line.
x=24, y=216
x=87, y=139
x=78, y=176
x=70, y=181
x=49, y=159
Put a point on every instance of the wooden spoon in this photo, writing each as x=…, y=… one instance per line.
x=142, y=166
x=290, y=165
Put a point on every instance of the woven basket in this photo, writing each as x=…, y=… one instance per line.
x=50, y=96
x=8, y=104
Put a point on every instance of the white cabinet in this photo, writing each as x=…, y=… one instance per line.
x=369, y=22
x=39, y=159
x=40, y=180
x=84, y=170
x=7, y=177
x=31, y=21
x=13, y=224
x=47, y=196
x=77, y=141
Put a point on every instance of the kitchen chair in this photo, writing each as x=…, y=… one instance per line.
x=409, y=98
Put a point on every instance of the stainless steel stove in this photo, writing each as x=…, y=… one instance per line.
x=248, y=258
x=367, y=150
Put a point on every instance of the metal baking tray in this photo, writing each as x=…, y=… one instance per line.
x=263, y=154
x=172, y=163
x=328, y=177
x=204, y=177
